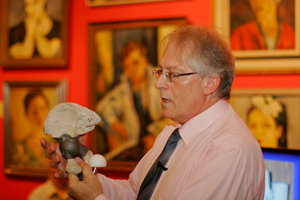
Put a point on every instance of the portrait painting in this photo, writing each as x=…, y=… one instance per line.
x=26, y=107
x=34, y=33
x=264, y=35
x=122, y=58
x=272, y=115
x=262, y=25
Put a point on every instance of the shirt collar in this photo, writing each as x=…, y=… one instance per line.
x=202, y=121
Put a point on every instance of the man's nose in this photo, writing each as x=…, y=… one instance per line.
x=160, y=82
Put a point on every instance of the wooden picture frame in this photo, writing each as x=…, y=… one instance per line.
x=272, y=115
x=237, y=22
x=110, y=87
x=26, y=105
x=93, y=3
x=35, y=44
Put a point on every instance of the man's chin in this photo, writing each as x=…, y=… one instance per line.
x=166, y=114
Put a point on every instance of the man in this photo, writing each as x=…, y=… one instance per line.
x=217, y=156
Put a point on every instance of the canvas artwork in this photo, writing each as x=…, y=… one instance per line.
x=264, y=27
x=34, y=33
x=264, y=35
x=122, y=87
x=271, y=114
x=26, y=108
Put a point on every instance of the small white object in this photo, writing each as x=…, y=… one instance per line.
x=97, y=160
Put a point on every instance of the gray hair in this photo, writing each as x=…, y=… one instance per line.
x=205, y=51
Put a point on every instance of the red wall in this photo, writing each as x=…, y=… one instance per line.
x=196, y=11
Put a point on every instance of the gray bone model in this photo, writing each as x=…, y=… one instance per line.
x=65, y=123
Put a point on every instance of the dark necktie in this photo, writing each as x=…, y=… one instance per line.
x=158, y=167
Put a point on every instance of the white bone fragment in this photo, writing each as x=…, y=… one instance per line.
x=72, y=167
x=88, y=156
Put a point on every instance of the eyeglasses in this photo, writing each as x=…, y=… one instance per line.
x=169, y=77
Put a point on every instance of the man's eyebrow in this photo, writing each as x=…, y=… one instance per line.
x=169, y=68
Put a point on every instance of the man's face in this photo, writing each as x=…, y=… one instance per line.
x=184, y=98
x=134, y=66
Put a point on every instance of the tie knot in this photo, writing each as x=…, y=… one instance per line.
x=175, y=135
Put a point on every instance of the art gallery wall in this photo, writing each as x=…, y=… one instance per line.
x=196, y=12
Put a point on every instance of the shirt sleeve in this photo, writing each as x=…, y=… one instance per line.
x=120, y=189
x=124, y=189
x=116, y=189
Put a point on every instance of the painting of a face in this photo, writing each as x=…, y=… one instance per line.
x=134, y=66
x=37, y=111
x=264, y=128
x=260, y=7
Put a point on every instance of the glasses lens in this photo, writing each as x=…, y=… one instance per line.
x=170, y=78
x=167, y=77
x=155, y=74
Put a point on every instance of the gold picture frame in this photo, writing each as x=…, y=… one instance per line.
x=41, y=42
x=280, y=107
x=236, y=21
x=26, y=104
x=93, y=3
x=109, y=87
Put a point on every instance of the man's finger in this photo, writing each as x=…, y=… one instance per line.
x=86, y=168
x=72, y=177
x=44, y=143
x=49, y=147
x=55, y=161
x=60, y=174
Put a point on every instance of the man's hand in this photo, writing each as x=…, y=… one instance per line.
x=88, y=188
x=56, y=160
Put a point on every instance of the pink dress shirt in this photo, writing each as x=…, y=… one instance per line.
x=217, y=158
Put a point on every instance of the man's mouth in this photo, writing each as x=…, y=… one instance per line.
x=165, y=100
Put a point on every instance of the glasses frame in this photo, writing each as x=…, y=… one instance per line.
x=169, y=77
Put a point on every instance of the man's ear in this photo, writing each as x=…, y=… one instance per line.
x=212, y=83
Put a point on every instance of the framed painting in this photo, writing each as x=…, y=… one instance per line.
x=26, y=105
x=264, y=36
x=34, y=34
x=272, y=115
x=122, y=56
x=93, y=3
